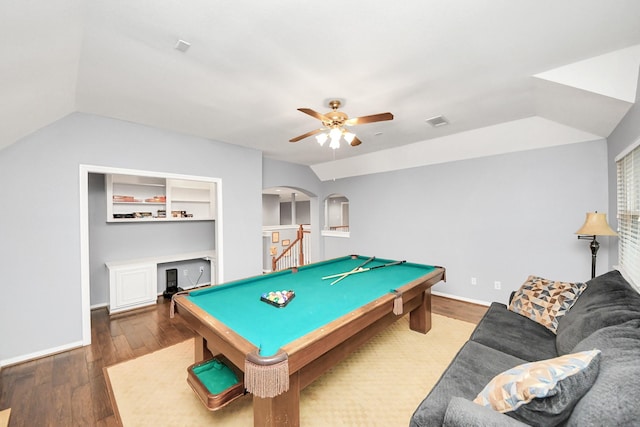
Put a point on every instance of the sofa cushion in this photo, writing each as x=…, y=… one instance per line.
x=471, y=369
x=608, y=300
x=464, y=413
x=542, y=393
x=513, y=334
x=613, y=398
x=544, y=301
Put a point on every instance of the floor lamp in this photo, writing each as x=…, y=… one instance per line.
x=595, y=225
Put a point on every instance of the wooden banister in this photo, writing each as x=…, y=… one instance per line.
x=288, y=251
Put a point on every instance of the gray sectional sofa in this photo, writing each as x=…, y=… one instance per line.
x=606, y=316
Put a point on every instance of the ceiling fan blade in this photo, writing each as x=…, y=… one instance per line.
x=298, y=138
x=315, y=114
x=369, y=119
x=355, y=141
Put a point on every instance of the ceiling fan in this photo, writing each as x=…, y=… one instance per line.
x=335, y=121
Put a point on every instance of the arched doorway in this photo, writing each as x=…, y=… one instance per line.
x=336, y=215
x=286, y=212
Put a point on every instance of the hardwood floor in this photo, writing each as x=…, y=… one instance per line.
x=69, y=389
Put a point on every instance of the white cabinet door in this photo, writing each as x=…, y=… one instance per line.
x=132, y=286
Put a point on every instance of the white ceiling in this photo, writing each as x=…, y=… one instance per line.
x=251, y=64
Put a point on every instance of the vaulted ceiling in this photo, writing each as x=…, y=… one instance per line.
x=570, y=64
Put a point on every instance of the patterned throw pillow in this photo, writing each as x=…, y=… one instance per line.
x=545, y=392
x=545, y=301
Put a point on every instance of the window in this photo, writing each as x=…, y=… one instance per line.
x=628, y=165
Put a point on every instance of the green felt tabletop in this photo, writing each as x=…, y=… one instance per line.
x=237, y=304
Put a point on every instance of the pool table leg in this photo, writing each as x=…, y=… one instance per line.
x=202, y=352
x=420, y=317
x=282, y=410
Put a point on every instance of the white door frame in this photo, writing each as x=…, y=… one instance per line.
x=85, y=276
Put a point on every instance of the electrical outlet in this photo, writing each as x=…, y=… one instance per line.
x=185, y=272
x=497, y=285
x=202, y=269
x=474, y=281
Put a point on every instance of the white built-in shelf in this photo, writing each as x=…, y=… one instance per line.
x=134, y=198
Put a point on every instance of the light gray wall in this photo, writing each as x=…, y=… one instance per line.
x=192, y=278
x=285, y=213
x=303, y=213
x=276, y=213
x=39, y=221
x=270, y=209
x=276, y=173
x=497, y=218
x=625, y=134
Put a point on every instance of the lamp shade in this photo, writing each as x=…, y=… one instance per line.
x=322, y=138
x=596, y=225
x=348, y=136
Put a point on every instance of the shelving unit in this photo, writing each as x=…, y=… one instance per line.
x=134, y=198
x=194, y=197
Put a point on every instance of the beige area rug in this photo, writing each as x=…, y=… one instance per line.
x=4, y=417
x=381, y=384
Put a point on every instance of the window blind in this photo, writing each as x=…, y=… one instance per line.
x=629, y=214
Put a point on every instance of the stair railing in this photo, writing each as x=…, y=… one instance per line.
x=294, y=255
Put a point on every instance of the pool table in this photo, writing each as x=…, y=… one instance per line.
x=283, y=349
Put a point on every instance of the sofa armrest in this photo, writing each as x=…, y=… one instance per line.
x=462, y=413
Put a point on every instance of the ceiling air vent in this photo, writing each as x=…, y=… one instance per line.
x=437, y=121
x=182, y=45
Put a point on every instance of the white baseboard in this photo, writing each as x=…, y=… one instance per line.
x=39, y=354
x=473, y=301
x=97, y=306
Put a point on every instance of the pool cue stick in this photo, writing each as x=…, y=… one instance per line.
x=362, y=270
x=356, y=268
x=346, y=273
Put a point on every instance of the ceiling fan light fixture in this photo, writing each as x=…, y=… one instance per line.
x=335, y=135
x=333, y=125
x=348, y=136
x=322, y=138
